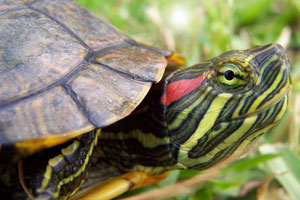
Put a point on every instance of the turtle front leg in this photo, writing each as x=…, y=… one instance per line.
x=63, y=174
x=119, y=185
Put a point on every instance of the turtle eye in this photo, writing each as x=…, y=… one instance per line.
x=229, y=75
x=232, y=76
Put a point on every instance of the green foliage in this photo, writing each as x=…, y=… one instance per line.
x=203, y=30
x=249, y=162
x=287, y=164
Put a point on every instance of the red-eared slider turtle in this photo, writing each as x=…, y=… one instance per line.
x=65, y=75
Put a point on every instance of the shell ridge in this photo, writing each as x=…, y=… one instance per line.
x=47, y=88
x=72, y=33
x=86, y=61
x=124, y=74
x=10, y=10
x=73, y=95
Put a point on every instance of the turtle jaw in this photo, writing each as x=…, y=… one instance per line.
x=269, y=115
x=227, y=138
x=271, y=104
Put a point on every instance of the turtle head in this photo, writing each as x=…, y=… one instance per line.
x=220, y=106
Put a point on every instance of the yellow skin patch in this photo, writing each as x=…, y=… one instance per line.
x=31, y=146
x=176, y=58
x=120, y=185
x=207, y=122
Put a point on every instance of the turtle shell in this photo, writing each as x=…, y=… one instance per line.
x=64, y=72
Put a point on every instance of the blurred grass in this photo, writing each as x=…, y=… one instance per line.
x=199, y=30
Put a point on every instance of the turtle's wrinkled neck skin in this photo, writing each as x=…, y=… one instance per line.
x=202, y=114
x=141, y=139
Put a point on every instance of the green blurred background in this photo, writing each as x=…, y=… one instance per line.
x=199, y=30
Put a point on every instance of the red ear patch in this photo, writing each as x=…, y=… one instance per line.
x=177, y=89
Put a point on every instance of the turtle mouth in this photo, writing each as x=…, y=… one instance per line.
x=267, y=106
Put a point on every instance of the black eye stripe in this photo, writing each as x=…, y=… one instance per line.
x=233, y=87
x=238, y=76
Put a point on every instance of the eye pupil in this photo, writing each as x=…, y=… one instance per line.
x=229, y=75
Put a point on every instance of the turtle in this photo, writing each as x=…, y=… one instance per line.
x=88, y=112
